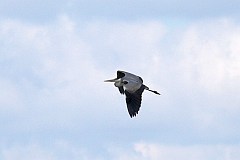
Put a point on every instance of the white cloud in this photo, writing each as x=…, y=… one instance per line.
x=59, y=150
x=47, y=70
x=198, y=152
x=125, y=45
x=63, y=150
x=26, y=153
x=150, y=151
x=10, y=98
x=52, y=76
x=210, y=55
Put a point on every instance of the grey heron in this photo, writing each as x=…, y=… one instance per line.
x=132, y=86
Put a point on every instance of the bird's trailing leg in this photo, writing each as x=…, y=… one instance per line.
x=151, y=90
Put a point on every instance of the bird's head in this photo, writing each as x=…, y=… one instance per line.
x=117, y=82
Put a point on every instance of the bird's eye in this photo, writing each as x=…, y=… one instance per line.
x=125, y=82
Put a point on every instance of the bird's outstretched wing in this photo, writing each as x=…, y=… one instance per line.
x=120, y=74
x=121, y=90
x=134, y=100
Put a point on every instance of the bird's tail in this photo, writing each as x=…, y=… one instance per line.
x=152, y=90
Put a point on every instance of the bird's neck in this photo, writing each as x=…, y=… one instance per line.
x=118, y=83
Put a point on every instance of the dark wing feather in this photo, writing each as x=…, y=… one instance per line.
x=134, y=100
x=141, y=79
x=120, y=74
x=121, y=90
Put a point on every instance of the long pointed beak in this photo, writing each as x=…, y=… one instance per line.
x=111, y=80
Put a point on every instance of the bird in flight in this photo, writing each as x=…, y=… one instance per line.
x=132, y=86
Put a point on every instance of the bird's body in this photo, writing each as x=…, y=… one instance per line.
x=132, y=86
x=129, y=82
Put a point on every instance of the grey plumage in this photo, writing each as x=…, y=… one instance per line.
x=132, y=86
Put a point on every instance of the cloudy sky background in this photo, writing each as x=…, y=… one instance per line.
x=55, y=55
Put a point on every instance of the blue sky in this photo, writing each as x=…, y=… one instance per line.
x=55, y=55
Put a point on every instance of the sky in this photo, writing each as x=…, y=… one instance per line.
x=55, y=55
